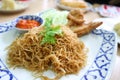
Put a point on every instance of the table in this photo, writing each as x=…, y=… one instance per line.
x=39, y=5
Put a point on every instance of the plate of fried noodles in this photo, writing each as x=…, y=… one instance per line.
x=56, y=53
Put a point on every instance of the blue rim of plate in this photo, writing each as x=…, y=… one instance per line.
x=101, y=66
x=4, y=27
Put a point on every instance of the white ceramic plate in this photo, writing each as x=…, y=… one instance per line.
x=102, y=47
x=70, y=8
x=22, y=6
x=109, y=24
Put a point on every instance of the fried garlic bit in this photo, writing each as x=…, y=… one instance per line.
x=77, y=23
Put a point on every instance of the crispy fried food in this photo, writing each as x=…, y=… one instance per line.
x=77, y=23
x=74, y=3
x=85, y=28
x=75, y=17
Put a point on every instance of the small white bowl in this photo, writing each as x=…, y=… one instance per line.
x=28, y=17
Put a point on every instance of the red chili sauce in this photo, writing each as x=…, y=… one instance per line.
x=27, y=24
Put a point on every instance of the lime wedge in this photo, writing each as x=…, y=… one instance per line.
x=117, y=27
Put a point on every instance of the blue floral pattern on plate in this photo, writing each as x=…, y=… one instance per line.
x=6, y=26
x=100, y=67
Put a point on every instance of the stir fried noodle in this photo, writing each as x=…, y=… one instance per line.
x=66, y=56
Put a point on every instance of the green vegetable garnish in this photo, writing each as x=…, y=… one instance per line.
x=50, y=32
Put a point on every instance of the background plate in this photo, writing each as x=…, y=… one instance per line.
x=23, y=5
x=70, y=8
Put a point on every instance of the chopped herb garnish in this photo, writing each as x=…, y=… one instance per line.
x=50, y=32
